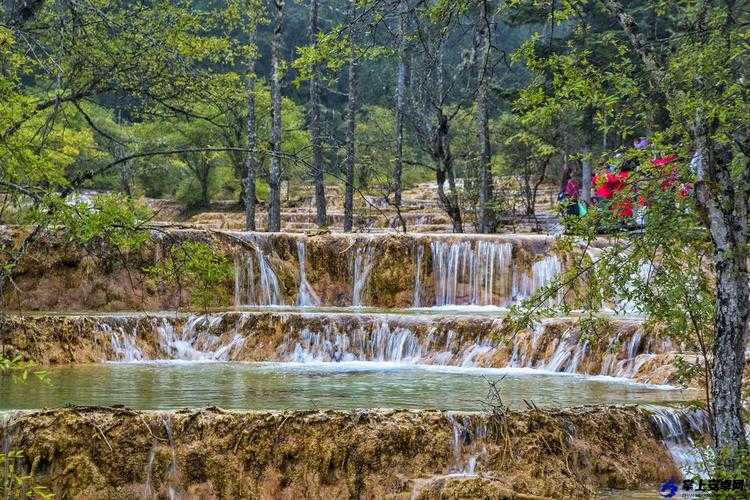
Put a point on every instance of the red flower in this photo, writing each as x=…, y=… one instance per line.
x=664, y=160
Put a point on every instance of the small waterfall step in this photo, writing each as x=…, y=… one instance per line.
x=303, y=336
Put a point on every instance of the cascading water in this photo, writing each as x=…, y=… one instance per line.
x=543, y=272
x=471, y=274
x=678, y=429
x=381, y=338
x=364, y=260
x=380, y=344
x=467, y=445
x=632, y=306
x=123, y=343
x=173, y=473
x=267, y=291
x=306, y=296
x=197, y=340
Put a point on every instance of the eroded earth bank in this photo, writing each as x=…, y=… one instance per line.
x=118, y=453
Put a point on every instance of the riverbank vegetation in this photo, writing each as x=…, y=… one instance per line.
x=256, y=105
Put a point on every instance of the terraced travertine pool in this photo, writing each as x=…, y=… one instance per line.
x=303, y=353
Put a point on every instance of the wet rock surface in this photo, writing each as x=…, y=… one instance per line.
x=380, y=270
x=622, y=348
x=110, y=453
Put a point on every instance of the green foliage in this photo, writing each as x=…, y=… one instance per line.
x=19, y=370
x=112, y=218
x=16, y=484
x=13, y=482
x=332, y=52
x=376, y=152
x=195, y=267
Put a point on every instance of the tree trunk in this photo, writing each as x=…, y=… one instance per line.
x=251, y=159
x=317, y=166
x=729, y=349
x=444, y=159
x=274, y=179
x=204, y=179
x=400, y=109
x=725, y=212
x=485, y=148
x=441, y=151
x=724, y=208
x=126, y=178
x=351, y=131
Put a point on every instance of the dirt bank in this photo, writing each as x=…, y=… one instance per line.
x=97, y=453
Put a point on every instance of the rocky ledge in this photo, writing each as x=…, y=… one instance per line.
x=119, y=453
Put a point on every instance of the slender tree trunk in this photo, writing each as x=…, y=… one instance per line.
x=205, y=175
x=351, y=131
x=251, y=159
x=127, y=178
x=274, y=179
x=725, y=211
x=444, y=159
x=400, y=109
x=440, y=150
x=485, y=148
x=318, y=168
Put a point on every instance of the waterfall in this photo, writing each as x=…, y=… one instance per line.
x=566, y=352
x=467, y=444
x=306, y=296
x=677, y=429
x=381, y=344
x=467, y=274
x=364, y=260
x=123, y=343
x=543, y=272
x=473, y=352
x=238, y=280
x=633, y=307
x=198, y=340
x=173, y=476
x=268, y=292
x=549, y=345
x=467, y=447
x=269, y=283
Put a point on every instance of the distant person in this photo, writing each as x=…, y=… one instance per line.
x=569, y=195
